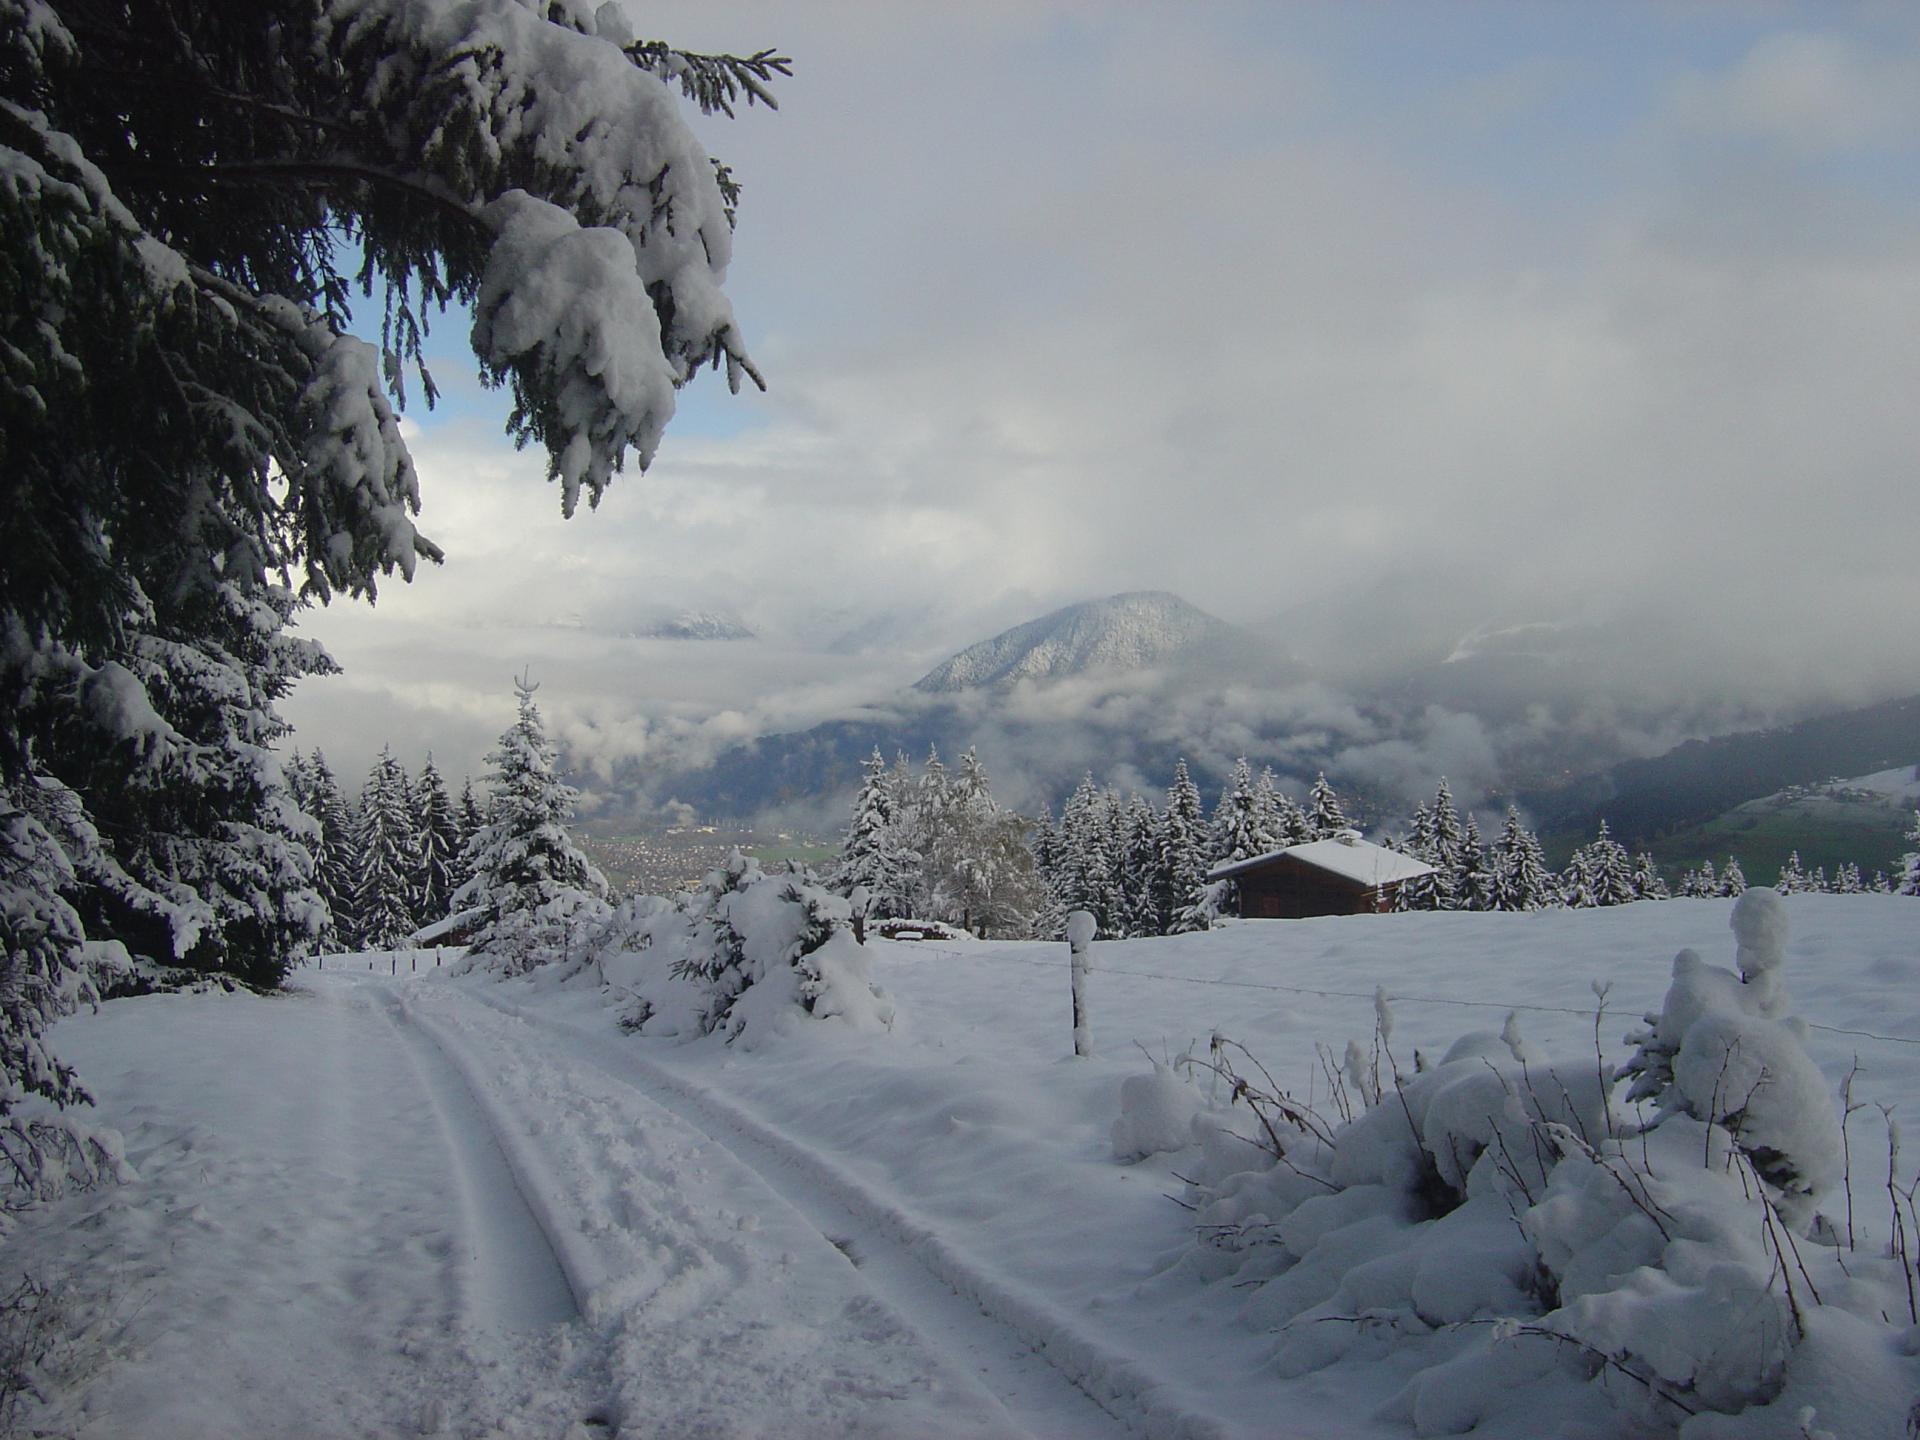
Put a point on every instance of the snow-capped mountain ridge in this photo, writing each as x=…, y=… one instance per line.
x=693, y=625
x=1132, y=631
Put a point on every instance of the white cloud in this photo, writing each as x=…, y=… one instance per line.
x=1063, y=300
x=1816, y=93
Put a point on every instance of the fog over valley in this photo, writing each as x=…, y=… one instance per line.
x=1579, y=361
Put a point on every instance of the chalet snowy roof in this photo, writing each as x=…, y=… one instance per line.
x=1349, y=858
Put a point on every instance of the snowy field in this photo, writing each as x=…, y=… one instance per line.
x=429, y=1204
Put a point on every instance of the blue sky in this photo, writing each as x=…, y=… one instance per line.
x=1532, y=312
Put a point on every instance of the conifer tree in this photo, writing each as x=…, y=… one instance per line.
x=298, y=772
x=1578, y=884
x=1648, y=883
x=436, y=845
x=1521, y=880
x=1423, y=892
x=872, y=854
x=1087, y=858
x=1611, y=869
x=1476, y=882
x=1267, y=804
x=1289, y=825
x=1792, y=877
x=531, y=882
x=336, y=855
x=1182, y=866
x=1732, y=881
x=1140, y=871
x=387, y=888
x=188, y=431
x=1444, y=847
x=1326, y=816
x=1908, y=882
x=1238, y=831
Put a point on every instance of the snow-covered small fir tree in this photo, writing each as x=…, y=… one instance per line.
x=533, y=887
x=1648, y=883
x=1793, y=878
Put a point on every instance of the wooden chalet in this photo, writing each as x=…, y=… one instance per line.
x=1344, y=875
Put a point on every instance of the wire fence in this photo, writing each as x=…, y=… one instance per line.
x=1397, y=996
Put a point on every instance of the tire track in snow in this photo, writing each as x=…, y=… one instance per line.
x=722, y=1309
x=513, y=1275
x=916, y=1269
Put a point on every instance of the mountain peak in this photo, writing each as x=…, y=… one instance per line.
x=1131, y=631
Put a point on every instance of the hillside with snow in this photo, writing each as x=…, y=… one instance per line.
x=1134, y=631
x=497, y=1213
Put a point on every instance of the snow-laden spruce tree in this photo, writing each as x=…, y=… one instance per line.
x=1182, y=865
x=1239, y=826
x=1521, y=880
x=1326, y=816
x=436, y=843
x=386, y=890
x=534, y=893
x=1599, y=873
x=333, y=848
x=191, y=444
x=873, y=854
x=1086, y=870
x=1476, y=883
x=1140, y=869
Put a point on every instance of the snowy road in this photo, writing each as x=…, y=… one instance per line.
x=381, y=1207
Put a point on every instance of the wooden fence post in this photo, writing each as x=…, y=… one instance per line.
x=1080, y=928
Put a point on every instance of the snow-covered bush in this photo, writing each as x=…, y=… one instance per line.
x=740, y=956
x=1497, y=1224
x=1724, y=1049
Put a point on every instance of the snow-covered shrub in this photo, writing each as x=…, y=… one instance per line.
x=740, y=955
x=1496, y=1225
x=1725, y=1050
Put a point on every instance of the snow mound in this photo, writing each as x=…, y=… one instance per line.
x=1497, y=1227
x=1157, y=1112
